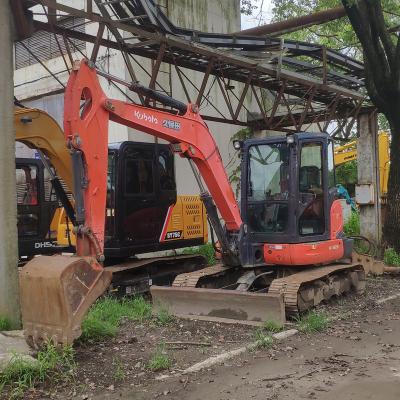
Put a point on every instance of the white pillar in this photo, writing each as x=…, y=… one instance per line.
x=368, y=177
x=9, y=287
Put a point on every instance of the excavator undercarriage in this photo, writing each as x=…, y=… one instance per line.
x=294, y=293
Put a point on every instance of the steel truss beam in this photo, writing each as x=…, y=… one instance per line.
x=306, y=98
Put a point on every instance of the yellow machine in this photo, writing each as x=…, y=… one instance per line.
x=348, y=152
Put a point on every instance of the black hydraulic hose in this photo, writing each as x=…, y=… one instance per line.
x=372, y=248
x=217, y=250
x=160, y=97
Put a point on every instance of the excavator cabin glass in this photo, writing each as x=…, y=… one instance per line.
x=287, y=188
x=268, y=189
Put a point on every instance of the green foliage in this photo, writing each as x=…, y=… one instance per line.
x=163, y=317
x=346, y=175
x=5, y=324
x=337, y=34
x=22, y=374
x=206, y=250
x=352, y=226
x=312, y=322
x=272, y=326
x=106, y=314
x=263, y=340
x=391, y=257
x=247, y=7
x=159, y=360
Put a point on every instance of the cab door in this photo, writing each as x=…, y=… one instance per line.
x=139, y=218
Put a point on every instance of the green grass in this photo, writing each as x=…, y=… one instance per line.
x=263, y=340
x=163, y=317
x=312, y=322
x=391, y=257
x=159, y=361
x=206, y=250
x=119, y=371
x=22, y=374
x=272, y=326
x=5, y=324
x=105, y=316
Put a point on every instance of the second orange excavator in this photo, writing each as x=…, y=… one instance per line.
x=283, y=250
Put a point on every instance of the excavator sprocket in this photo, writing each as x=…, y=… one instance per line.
x=56, y=293
x=304, y=290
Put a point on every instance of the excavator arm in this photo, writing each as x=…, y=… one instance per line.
x=38, y=130
x=86, y=131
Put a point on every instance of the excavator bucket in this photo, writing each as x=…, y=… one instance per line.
x=56, y=293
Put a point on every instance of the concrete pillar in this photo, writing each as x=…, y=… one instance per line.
x=9, y=287
x=368, y=189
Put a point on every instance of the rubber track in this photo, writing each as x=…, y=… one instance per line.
x=190, y=279
x=290, y=285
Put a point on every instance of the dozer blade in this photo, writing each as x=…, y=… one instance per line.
x=56, y=293
x=219, y=304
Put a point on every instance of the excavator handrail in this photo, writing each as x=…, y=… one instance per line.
x=86, y=129
x=46, y=135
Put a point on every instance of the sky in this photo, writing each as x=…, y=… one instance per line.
x=254, y=20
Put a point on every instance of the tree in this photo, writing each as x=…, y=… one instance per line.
x=247, y=7
x=338, y=34
x=380, y=44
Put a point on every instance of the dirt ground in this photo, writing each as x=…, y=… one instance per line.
x=357, y=357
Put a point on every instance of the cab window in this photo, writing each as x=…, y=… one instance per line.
x=311, y=220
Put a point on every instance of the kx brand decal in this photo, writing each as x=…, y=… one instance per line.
x=173, y=235
x=142, y=116
x=44, y=245
x=170, y=124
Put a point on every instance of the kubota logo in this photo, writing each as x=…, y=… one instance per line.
x=146, y=117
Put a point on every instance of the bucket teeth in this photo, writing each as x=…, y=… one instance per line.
x=56, y=293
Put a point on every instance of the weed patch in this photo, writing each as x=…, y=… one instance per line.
x=391, y=257
x=312, y=322
x=5, y=324
x=206, y=250
x=272, y=326
x=119, y=371
x=105, y=316
x=159, y=361
x=22, y=374
x=263, y=340
x=163, y=317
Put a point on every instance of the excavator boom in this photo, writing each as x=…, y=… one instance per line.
x=37, y=129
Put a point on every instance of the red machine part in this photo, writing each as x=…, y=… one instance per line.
x=313, y=253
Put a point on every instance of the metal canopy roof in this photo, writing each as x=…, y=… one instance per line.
x=327, y=84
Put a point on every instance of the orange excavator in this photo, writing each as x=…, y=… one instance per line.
x=283, y=251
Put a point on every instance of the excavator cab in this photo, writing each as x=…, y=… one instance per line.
x=288, y=198
x=36, y=205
